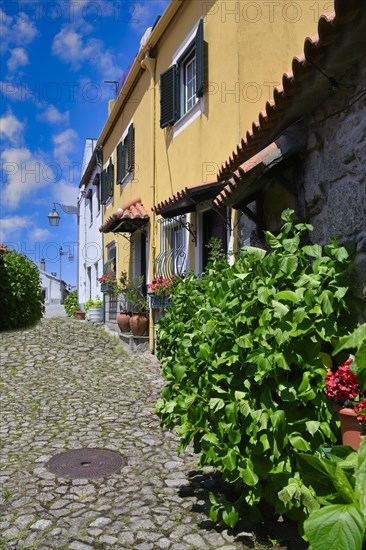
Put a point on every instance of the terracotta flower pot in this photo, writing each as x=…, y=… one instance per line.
x=139, y=324
x=350, y=428
x=80, y=315
x=123, y=321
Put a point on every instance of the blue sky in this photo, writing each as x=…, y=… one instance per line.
x=55, y=57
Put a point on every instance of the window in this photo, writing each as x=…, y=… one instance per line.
x=184, y=82
x=126, y=155
x=110, y=265
x=89, y=196
x=96, y=182
x=173, y=255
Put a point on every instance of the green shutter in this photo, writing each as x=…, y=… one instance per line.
x=169, y=96
x=110, y=179
x=123, y=163
x=200, y=61
x=119, y=162
x=131, y=148
x=103, y=194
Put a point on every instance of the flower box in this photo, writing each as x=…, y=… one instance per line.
x=106, y=287
x=159, y=301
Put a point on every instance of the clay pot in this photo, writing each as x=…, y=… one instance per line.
x=123, y=321
x=350, y=428
x=139, y=324
x=80, y=315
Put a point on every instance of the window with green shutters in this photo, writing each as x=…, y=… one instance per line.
x=110, y=179
x=126, y=155
x=184, y=82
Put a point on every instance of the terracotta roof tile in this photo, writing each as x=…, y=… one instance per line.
x=288, y=96
x=185, y=197
x=133, y=211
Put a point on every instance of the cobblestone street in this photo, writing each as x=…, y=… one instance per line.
x=69, y=386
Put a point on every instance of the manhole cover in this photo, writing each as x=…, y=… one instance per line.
x=86, y=463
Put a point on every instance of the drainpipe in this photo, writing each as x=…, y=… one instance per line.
x=149, y=63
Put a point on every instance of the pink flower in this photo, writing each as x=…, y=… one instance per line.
x=342, y=385
x=360, y=407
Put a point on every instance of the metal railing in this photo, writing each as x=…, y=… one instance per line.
x=170, y=262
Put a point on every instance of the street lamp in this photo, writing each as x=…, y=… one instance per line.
x=71, y=257
x=54, y=217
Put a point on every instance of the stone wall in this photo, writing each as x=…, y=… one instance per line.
x=334, y=173
x=332, y=178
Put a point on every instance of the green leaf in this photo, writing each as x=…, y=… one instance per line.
x=288, y=264
x=246, y=472
x=298, y=442
x=230, y=515
x=335, y=527
x=326, y=300
x=229, y=461
x=315, y=251
x=215, y=403
x=258, y=253
x=353, y=340
x=179, y=371
x=360, y=476
x=287, y=295
x=312, y=426
x=280, y=309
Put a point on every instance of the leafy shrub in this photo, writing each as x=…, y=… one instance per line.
x=243, y=351
x=98, y=302
x=71, y=303
x=21, y=298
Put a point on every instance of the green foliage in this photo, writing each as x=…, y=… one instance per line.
x=134, y=295
x=339, y=481
x=243, y=353
x=98, y=302
x=21, y=298
x=71, y=303
x=356, y=343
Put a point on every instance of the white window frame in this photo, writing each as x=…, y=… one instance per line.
x=180, y=58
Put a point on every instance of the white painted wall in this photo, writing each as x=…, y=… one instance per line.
x=90, y=260
x=51, y=287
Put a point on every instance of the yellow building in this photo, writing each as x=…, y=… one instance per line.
x=201, y=76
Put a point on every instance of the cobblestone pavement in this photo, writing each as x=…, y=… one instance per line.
x=67, y=386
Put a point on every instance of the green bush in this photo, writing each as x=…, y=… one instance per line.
x=21, y=298
x=244, y=350
x=71, y=303
x=98, y=302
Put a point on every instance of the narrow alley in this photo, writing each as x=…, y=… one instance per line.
x=68, y=386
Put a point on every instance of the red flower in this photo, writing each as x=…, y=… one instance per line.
x=360, y=407
x=342, y=385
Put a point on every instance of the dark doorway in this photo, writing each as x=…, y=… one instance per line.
x=214, y=223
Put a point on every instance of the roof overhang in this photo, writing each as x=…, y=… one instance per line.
x=128, y=219
x=251, y=176
x=187, y=199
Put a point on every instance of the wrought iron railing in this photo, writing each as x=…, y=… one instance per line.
x=170, y=262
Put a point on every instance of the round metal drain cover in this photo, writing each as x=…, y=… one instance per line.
x=86, y=463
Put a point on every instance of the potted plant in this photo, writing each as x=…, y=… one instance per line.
x=108, y=283
x=72, y=306
x=123, y=317
x=161, y=289
x=94, y=308
x=349, y=400
x=134, y=295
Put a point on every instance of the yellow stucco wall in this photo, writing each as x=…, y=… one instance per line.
x=250, y=45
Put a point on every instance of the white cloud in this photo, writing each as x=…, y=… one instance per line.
x=11, y=128
x=16, y=30
x=39, y=234
x=142, y=14
x=53, y=116
x=64, y=143
x=73, y=48
x=18, y=58
x=65, y=193
x=11, y=226
x=25, y=173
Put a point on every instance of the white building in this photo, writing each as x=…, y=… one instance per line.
x=54, y=290
x=90, y=257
